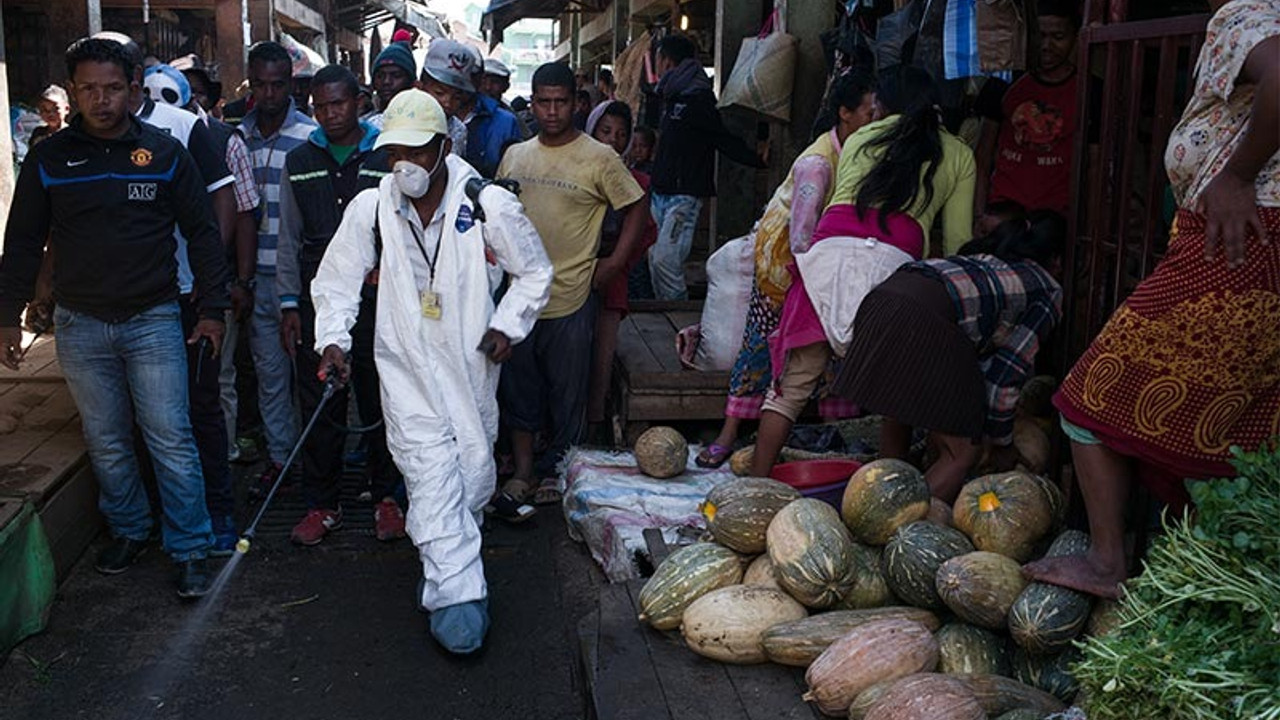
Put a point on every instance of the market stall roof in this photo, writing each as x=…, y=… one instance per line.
x=366, y=14
x=502, y=13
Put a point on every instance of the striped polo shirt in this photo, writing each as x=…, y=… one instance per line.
x=267, y=155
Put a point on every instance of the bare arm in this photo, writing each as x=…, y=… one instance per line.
x=1229, y=201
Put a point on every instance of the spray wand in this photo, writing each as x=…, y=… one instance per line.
x=330, y=387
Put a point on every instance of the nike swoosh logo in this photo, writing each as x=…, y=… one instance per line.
x=77, y=163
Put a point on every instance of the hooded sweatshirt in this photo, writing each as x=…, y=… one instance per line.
x=691, y=131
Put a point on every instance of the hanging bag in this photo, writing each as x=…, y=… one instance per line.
x=764, y=73
x=1002, y=35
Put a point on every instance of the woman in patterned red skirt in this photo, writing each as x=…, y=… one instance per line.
x=1189, y=366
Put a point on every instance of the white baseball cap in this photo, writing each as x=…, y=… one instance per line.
x=494, y=66
x=412, y=119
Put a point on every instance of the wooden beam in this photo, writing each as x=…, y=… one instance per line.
x=301, y=14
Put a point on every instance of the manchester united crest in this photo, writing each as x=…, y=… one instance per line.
x=141, y=157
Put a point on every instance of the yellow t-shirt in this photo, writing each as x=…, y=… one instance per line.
x=566, y=191
x=952, y=183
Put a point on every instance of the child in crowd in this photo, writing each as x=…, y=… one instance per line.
x=54, y=106
x=610, y=123
x=640, y=155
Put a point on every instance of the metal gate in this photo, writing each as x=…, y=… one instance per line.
x=1139, y=78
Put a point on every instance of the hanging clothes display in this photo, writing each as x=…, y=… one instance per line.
x=1002, y=35
x=929, y=43
x=893, y=32
x=960, y=56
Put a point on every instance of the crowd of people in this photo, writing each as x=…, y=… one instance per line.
x=407, y=251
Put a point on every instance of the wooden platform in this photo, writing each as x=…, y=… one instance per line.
x=42, y=453
x=650, y=383
x=634, y=672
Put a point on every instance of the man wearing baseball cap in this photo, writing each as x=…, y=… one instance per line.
x=490, y=129
x=439, y=340
x=446, y=76
x=495, y=83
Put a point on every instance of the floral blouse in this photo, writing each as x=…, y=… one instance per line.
x=1214, y=122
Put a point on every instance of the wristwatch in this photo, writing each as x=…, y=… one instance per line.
x=248, y=283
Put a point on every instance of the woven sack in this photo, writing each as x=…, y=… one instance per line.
x=764, y=74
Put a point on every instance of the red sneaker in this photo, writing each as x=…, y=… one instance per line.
x=388, y=521
x=315, y=526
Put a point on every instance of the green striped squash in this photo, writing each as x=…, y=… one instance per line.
x=871, y=589
x=1006, y=513
x=686, y=575
x=1046, y=618
x=882, y=496
x=980, y=587
x=913, y=556
x=738, y=511
x=965, y=649
x=812, y=553
x=1050, y=673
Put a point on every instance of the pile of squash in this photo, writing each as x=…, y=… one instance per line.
x=899, y=606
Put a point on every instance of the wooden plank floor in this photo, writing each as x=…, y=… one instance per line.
x=651, y=383
x=42, y=453
x=40, y=440
x=636, y=673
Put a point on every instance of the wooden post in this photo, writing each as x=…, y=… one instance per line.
x=621, y=10
x=735, y=207
x=261, y=20
x=6, y=137
x=805, y=21
x=95, y=16
x=229, y=23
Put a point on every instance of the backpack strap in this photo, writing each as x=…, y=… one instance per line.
x=377, y=234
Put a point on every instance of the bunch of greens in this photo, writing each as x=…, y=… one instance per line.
x=1199, y=636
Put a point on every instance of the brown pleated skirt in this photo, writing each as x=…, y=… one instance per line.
x=908, y=359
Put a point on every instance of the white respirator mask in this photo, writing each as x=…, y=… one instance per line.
x=413, y=179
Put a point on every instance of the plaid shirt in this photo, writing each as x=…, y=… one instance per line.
x=1007, y=310
x=247, y=198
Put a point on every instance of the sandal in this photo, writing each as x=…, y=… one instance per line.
x=713, y=456
x=510, y=505
x=548, y=493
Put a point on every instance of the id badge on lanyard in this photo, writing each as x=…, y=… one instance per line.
x=430, y=299
x=431, y=305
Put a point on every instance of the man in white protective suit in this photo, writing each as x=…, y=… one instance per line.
x=438, y=341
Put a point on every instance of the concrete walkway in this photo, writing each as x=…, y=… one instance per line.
x=315, y=633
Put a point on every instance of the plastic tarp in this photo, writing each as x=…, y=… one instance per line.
x=608, y=504
x=27, y=576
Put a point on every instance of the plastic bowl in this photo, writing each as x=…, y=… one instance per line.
x=820, y=479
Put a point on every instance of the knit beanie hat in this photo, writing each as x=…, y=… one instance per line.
x=397, y=54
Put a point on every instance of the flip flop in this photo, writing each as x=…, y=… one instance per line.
x=548, y=493
x=713, y=456
x=505, y=507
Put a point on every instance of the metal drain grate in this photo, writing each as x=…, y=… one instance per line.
x=289, y=506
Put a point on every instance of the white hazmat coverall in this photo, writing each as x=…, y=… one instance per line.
x=438, y=390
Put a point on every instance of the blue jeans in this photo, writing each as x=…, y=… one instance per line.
x=138, y=367
x=677, y=219
x=275, y=371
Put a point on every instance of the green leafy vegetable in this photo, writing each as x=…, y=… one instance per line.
x=1199, y=635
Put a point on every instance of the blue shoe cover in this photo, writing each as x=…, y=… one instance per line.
x=461, y=628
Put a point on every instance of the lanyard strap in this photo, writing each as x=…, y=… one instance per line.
x=431, y=261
